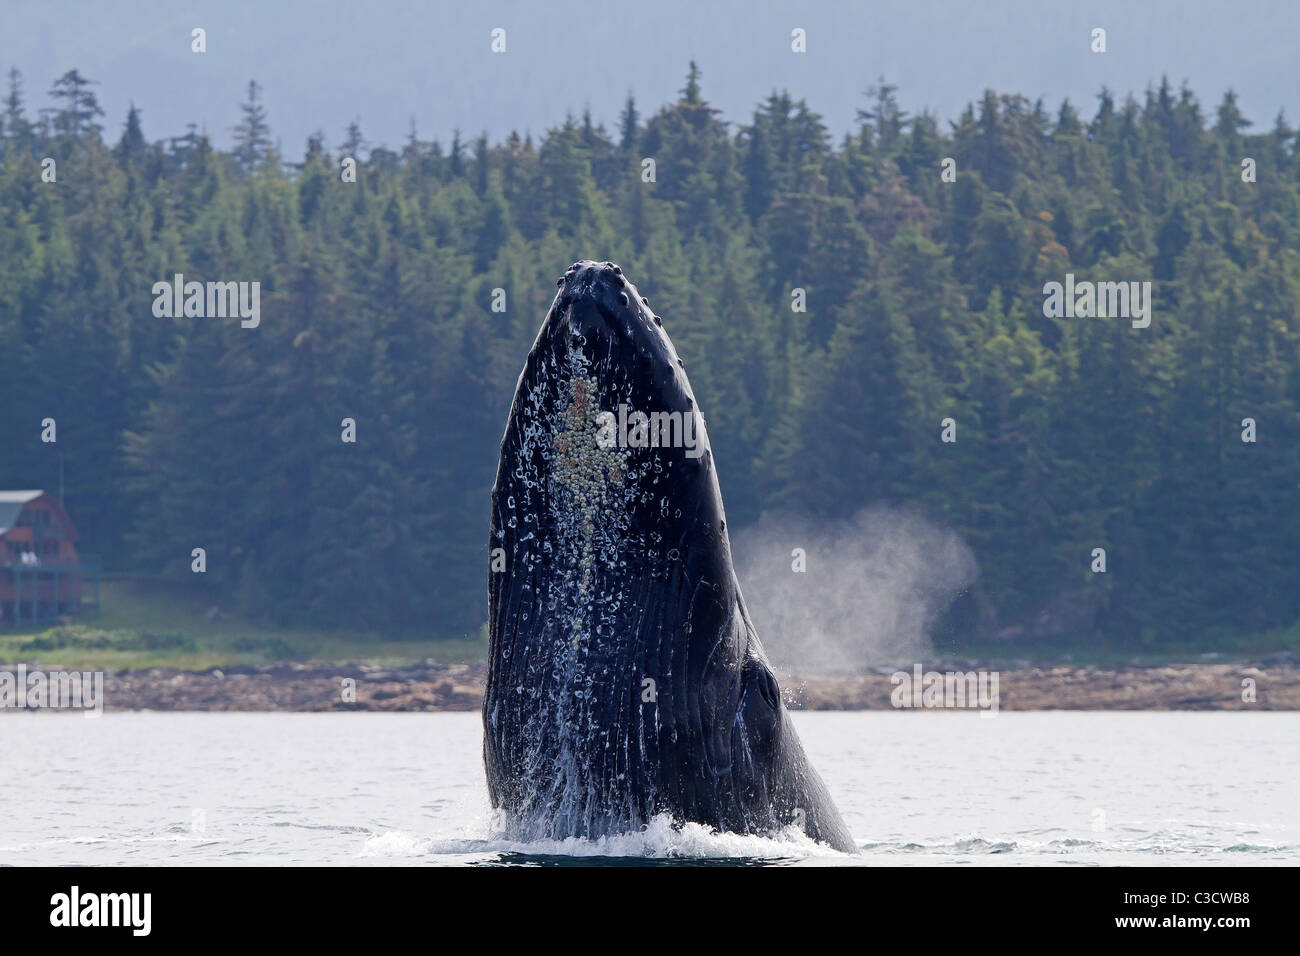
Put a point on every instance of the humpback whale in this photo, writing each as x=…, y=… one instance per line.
x=625, y=677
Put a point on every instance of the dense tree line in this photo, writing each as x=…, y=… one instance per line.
x=924, y=302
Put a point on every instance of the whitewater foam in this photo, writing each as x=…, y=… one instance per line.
x=661, y=838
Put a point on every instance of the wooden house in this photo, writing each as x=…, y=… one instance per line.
x=41, y=573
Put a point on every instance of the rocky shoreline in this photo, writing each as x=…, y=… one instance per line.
x=1273, y=681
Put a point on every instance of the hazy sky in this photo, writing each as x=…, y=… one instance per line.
x=322, y=63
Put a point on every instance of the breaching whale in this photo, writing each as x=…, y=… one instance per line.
x=625, y=678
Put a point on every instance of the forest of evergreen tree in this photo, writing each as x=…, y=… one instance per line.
x=924, y=301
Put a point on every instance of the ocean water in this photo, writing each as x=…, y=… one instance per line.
x=408, y=789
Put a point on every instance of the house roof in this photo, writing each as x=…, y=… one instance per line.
x=11, y=502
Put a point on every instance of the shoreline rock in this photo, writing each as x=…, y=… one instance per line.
x=432, y=687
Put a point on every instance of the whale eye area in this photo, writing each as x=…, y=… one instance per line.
x=768, y=687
